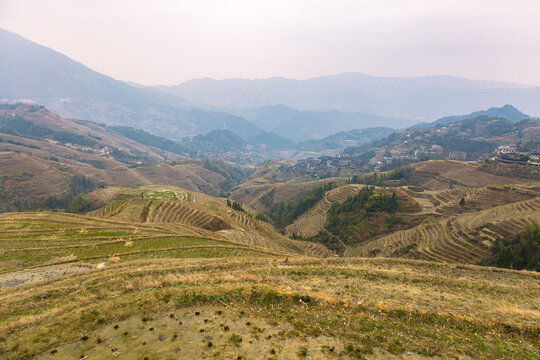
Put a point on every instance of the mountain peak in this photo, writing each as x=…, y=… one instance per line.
x=508, y=112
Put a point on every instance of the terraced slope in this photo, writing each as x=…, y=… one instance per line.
x=285, y=308
x=464, y=239
x=208, y=217
x=477, y=199
x=37, y=240
x=254, y=195
x=312, y=221
x=27, y=180
x=439, y=174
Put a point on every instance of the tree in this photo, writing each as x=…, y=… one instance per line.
x=52, y=202
x=80, y=204
x=521, y=252
x=462, y=202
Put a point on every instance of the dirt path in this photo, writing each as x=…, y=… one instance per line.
x=23, y=277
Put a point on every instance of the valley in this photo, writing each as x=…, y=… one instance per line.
x=344, y=216
x=167, y=271
x=163, y=255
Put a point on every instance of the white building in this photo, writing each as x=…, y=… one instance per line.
x=507, y=149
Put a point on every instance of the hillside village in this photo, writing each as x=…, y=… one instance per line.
x=332, y=166
x=481, y=138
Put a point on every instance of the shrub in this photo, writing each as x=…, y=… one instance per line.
x=522, y=252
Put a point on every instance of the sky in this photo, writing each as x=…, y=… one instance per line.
x=167, y=42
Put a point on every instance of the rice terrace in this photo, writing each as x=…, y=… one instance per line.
x=255, y=180
x=162, y=272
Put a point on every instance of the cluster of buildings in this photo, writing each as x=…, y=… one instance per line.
x=330, y=166
x=393, y=161
x=457, y=155
x=509, y=154
x=96, y=149
x=325, y=166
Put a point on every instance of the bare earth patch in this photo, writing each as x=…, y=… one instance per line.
x=23, y=277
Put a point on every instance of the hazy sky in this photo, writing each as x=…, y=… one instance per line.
x=167, y=41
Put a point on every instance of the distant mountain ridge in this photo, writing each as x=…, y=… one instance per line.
x=36, y=74
x=337, y=103
x=424, y=98
x=346, y=139
x=507, y=112
x=302, y=126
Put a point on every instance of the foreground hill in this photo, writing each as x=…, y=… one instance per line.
x=276, y=307
x=161, y=272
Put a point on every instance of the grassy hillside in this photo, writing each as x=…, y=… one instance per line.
x=44, y=156
x=274, y=307
x=82, y=140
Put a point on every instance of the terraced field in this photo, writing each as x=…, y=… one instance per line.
x=439, y=174
x=40, y=240
x=204, y=216
x=252, y=195
x=464, y=239
x=477, y=199
x=493, y=212
x=312, y=221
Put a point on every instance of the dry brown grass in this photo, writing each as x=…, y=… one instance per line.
x=439, y=174
x=389, y=304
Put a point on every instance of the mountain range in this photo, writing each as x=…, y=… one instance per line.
x=36, y=74
x=424, y=98
x=275, y=108
x=312, y=125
